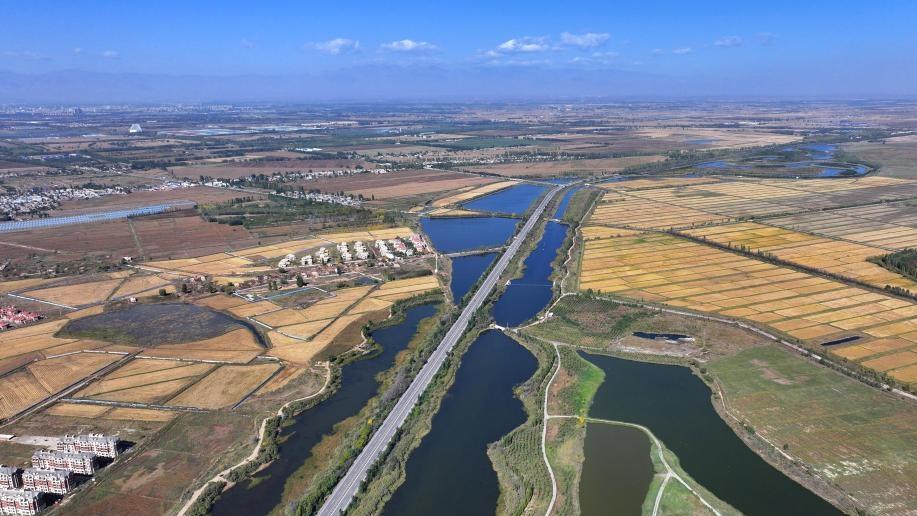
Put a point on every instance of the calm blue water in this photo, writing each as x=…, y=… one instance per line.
x=675, y=405
x=513, y=200
x=450, y=474
x=713, y=164
x=359, y=383
x=858, y=170
x=465, y=272
x=461, y=234
x=526, y=296
x=562, y=206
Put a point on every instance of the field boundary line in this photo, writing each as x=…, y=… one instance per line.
x=27, y=298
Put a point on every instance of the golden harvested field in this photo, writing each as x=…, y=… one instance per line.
x=77, y=295
x=19, y=391
x=77, y=410
x=140, y=366
x=283, y=317
x=472, y=193
x=890, y=226
x=14, y=285
x=643, y=213
x=667, y=269
x=285, y=377
x=137, y=284
x=220, y=301
x=55, y=374
x=370, y=305
x=147, y=387
x=451, y=212
x=139, y=414
x=835, y=256
x=150, y=393
x=905, y=374
x=304, y=331
x=38, y=339
x=253, y=309
x=741, y=197
x=646, y=184
x=234, y=346
x=225, y=386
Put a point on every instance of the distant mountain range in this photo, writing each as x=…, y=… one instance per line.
x=391, y=83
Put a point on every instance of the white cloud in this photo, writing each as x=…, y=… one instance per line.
x=605, y=55
x=77, y=50
x=682, y=51
x=409, y=45
x=110, y=54
x=587, y=40
x=658, y=51
x=522, y=45
x=336, y=46
x=729, y=41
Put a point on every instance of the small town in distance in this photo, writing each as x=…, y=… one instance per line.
x=641, y=259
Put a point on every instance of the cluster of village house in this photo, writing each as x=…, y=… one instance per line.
x=10, y=317
x=50, y=198
x=386, y=249
x=53, y=472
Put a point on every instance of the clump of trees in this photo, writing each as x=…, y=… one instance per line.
x=903, y=262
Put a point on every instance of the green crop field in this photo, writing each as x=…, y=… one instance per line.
x=852, y=435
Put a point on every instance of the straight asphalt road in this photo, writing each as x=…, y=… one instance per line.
x=346, y=489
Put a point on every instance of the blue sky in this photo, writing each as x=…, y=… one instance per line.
x=840, y=40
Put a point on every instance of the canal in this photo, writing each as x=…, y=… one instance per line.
x=265, y=490
x=450, y=472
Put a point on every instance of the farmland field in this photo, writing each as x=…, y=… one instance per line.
x=839, y=257
x=852, y=435
x=132, y=383
x=677, y=272
x=895, y=156
x=225, y=386
x=890, y=226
